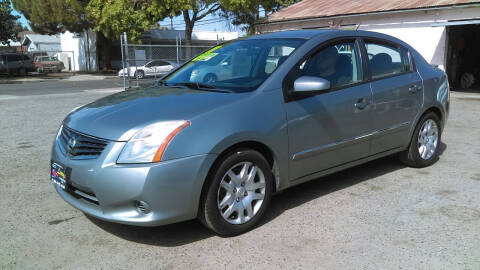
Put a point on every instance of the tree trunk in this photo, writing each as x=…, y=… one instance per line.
x=189, y=23
x=105, y=45
x=188, y=33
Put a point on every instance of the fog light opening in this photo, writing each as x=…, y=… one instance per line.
x=142, y=207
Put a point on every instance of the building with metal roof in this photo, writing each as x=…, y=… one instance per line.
x=41, y=43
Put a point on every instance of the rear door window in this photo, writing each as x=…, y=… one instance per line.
x=387, y=60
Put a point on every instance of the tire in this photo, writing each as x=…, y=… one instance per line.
x=417, y=154
x=209, y=78
x=22, y=72
x=139, y=74
x=242, y=218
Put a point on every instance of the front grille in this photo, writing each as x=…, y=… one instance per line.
x=80, y=146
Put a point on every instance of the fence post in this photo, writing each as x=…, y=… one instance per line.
x=176, y=43
x=180, y=43
x=127, y=58
x=123, y=62
x=73, y=56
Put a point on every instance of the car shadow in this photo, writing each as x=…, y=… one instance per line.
x=192, y=231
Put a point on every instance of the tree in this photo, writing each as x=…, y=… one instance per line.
x=113, y=17
x=246, y=13
x=54, y=16
x=191, y=10
x=9, y=27
x=108, y=18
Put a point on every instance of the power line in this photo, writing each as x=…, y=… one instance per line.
x=199, y=23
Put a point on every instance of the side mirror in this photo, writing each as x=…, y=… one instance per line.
x=310, y=84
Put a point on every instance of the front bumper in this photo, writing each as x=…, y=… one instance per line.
x=172, y=188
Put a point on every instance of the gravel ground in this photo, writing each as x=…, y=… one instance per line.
x=381, y=215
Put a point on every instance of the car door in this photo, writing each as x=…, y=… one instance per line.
x=149, y=68
x=327, y=129
x=162, y=67
x=397, y=94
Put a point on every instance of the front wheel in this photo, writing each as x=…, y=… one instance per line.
x=237, y=193
x=22, y=72
x=139, y=74
x=210, y=78
x=423, y=150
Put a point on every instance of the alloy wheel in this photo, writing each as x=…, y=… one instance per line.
x=241, y=193
x=428, y=139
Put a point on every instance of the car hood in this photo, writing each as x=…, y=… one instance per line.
x=119, y=116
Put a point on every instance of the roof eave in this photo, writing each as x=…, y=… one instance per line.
x=298, y=19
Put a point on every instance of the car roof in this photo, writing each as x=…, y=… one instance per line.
x=311, y=33
x=305, y=34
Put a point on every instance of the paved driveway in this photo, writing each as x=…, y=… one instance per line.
x=380, y=215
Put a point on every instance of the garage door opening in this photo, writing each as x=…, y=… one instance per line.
x=463, y=57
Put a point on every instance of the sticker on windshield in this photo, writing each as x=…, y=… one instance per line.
x=207, y=55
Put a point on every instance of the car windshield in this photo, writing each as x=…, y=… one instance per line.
x=48, y=58
x=238, y=66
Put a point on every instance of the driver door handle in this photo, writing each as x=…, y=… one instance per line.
x=361, y=104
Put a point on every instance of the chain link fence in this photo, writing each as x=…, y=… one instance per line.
x=153, y=61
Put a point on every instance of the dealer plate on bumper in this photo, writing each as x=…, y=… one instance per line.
x=60, y=174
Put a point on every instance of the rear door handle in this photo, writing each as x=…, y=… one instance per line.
x=361, y=104
x=414, y=88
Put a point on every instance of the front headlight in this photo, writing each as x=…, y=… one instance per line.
x=59, y=132
x=149, y=143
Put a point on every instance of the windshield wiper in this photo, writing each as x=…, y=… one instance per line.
x=203, y=86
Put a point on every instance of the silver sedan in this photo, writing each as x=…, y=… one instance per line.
x=296, y=106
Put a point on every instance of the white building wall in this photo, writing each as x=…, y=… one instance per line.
x=81, y=50
x=427, y=40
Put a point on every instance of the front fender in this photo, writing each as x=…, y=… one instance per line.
x=258, y=117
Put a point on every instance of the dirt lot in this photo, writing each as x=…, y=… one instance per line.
x=380, y=215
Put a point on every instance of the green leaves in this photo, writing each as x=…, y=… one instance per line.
x=9, y=27
x=247, y=12
x=113, y=17
x=54, y=16
x=109, y=17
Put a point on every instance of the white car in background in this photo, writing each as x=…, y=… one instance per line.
x=152, y=68
x=216, y=71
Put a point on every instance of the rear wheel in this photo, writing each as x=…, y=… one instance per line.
x=237, y=193
x=424, y=146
